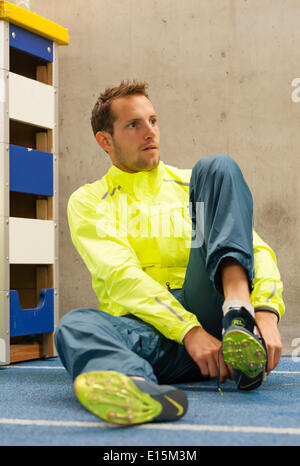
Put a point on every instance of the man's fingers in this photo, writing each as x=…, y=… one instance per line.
x=270, y=358
x=277, y=356
x=203, y=367
x=225, y=371
x=267, y=322
x=213, y=367
x=208, y=365
x=274, y=354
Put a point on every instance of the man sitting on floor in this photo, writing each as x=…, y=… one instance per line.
x=187, y=290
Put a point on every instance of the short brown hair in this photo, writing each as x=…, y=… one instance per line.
x=102, y=117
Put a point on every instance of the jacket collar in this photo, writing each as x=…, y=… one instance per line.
x=142, y=184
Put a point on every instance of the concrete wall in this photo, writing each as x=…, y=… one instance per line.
x=220, y=74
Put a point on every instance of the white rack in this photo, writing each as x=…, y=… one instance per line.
x=29, y=226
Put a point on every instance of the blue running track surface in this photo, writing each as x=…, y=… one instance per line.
x=38, y=408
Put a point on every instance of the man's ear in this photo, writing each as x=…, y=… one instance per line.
x=104, y=140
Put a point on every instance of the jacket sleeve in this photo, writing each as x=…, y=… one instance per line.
x=118, y=280
x=267, y=284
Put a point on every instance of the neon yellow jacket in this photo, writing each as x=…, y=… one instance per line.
x=135, y=241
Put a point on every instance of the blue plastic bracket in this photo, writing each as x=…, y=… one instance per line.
x=30, y=171
x=30, y=43
x=32, y=321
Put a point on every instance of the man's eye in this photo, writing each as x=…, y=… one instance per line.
x=154, y=121
x=132, y=125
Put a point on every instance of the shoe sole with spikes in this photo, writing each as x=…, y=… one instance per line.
x=115, y=398
x=242, y=351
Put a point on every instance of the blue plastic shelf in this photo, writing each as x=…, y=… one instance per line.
x=30, y=171
x=30, y=43
x=32, y=321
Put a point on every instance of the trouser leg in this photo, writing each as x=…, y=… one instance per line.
x=222, y=213
x=91, y=340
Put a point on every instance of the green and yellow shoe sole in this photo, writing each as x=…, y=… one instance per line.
x=242, y=351
x=115, y=398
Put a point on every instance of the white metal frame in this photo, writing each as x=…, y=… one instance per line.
x=4, y=194
x=25, y=240
x=56, y=185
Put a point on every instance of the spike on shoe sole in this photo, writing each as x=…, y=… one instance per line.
x=243, y=352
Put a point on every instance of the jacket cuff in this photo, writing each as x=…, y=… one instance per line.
x=267, y=309
x=187, y=329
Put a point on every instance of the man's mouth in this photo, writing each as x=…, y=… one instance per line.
x=149, y=148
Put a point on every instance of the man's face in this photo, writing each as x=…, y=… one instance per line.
x=135, y=141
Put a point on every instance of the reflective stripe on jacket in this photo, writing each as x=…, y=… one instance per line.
x=135, y=240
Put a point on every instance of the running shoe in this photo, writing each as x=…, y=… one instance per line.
x=119, y=399
x=243, y=350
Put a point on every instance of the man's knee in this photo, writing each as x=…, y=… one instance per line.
x=217, y=162
x=215, y=167
x=75, y=319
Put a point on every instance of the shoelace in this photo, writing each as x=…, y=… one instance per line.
x=260, y=337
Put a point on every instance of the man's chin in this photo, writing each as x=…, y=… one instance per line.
x=150, y=165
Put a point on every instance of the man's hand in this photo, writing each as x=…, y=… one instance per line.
x=267, y=322
x=203, y=349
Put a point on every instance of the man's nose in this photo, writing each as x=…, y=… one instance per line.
x=150, y=131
